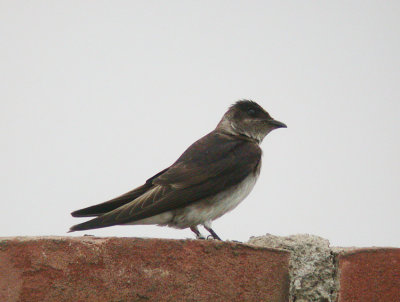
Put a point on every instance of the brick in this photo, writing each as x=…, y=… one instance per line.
x=133, y=269
x=371, y=274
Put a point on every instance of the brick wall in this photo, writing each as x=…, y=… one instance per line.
x=296, y=268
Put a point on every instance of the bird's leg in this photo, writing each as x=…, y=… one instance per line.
x=213, y=234
x=195, y=230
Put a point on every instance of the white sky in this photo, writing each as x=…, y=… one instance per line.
x=98, y=96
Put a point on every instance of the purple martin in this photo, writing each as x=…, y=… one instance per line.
x=208, y=180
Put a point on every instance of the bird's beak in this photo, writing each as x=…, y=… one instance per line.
x=276, y=124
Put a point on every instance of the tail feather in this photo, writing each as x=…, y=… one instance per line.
x=95, y=223
x=101, y=209
x=117, y=202
x=105, y=207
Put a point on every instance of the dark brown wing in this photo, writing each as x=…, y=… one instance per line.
x=117, y=202
x=211, y=165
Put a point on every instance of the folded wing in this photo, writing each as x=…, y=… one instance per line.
x=117, y=202
x=197, y=174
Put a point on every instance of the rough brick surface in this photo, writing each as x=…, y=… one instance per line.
x=312, y=267
x=371, y=275
x=131, y=269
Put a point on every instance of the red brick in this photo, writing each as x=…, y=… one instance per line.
x=132, y=269
x=369, y=275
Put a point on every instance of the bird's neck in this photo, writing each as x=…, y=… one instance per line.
x=227, y=128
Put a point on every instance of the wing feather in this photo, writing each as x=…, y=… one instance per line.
x=117, y=202
x=194, y=176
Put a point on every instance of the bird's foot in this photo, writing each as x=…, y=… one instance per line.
x=197, y=232
x=211, y=237
x=213, y=234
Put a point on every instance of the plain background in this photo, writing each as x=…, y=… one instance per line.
x=98, y=96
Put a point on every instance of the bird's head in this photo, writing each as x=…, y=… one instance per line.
x=247, y=118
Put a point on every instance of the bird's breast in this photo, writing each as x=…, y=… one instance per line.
x=228, y=200
x=215, y=206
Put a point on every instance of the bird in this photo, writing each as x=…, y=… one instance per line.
x=209, y=179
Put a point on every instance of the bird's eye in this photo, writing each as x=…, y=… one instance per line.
x=251, y=112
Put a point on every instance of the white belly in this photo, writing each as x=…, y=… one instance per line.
x=205, y=211
x=160, y=219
